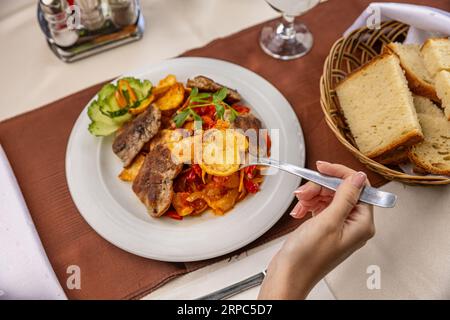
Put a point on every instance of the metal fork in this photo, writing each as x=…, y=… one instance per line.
x=368, y=195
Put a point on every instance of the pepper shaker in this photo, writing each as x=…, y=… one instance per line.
x=123, y=12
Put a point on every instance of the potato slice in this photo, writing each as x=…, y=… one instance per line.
x=164, y=85
x=129, y=174
x=172, y=99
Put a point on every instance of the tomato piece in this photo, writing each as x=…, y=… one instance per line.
x=208, y=122
x=174, y=215
x=198, y=171
x=190, y=177
x=268, y=144
x=250, y=172
x=241, y=109
x=250, y=186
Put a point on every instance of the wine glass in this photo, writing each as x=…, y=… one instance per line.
x=287, y=39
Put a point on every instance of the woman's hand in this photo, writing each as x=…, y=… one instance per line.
x=339, y=226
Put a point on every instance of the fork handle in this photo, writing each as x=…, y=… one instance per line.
x=368, y=195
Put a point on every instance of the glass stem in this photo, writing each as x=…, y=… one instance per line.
x=286, y=28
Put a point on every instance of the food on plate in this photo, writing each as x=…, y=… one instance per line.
x=129, y=174
x=172, y=98
x=154, y=182
x=419, y=80
x=378, y=107
x=442, y=82
x=207, y=85
x=114, y=103
x=436, y=54
x=179, y=144
x=136, y=133
x=433, y=154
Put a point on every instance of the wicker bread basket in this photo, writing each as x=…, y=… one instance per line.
x=346, y=55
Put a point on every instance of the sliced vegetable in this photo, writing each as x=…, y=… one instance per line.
x=143, y=105
x=110, y=111
x=174, y=215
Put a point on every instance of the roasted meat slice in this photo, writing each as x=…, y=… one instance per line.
x=154, y=183
x=247, y=121
x=205, y=84
x=136, y=134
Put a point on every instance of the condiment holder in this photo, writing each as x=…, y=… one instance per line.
x=76, y=29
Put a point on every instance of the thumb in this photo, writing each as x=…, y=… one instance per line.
x=347, y=195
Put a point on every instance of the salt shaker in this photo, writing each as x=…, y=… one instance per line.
x=123, y=12
x=55, y=13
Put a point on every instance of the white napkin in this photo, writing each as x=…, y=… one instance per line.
x=425, y=21
x=25, y=272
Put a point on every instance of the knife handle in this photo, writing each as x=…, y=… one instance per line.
x=236, y=288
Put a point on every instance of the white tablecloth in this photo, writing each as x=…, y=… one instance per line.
x=412, y=243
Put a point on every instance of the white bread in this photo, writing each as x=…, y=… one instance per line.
x=426, y=106
x=442, y=82
x=378, y=107
x=433, y=154
x=419, y=80
x=436, y=54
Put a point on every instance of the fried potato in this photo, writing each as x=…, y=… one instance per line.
x=164, y=85
x=172, y=99
x=129, y=174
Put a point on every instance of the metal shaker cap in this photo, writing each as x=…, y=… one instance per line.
x=53, y=6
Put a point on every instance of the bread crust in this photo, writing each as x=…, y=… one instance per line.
x=416, y=85
x=381, y=56
x=421, y=164
x=407, y=140
x=394, y=157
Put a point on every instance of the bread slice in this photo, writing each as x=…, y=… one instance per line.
x=395, y=157
x=442, y=82
x=426, y=106
x=378, y=107
x=419, y=80
x=436, y=54
x=433, y=154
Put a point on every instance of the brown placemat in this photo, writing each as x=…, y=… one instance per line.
x=35, y=144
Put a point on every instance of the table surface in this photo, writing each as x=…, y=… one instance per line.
x=412, y=244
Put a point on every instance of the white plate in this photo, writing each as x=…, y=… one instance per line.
x=112, y=209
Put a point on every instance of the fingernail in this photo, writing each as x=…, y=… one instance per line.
x=299, y=190
x=358, y=179
x=320, y=162
x=294, y=213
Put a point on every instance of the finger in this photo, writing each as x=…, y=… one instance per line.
x=299, y=211
x=316, y=200
x=335, y=170
x=308, y=191
x=347, y=195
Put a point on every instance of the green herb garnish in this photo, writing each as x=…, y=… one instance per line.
x=203, y=99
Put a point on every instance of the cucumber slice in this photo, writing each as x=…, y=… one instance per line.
x=101, y=129
x=96, y=115
x=106, y=91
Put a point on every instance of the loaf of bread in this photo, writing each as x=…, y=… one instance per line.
x=411, y=60
x=378, y=107
x=436, y=55
x=442, y=83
